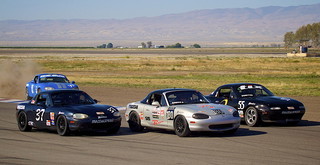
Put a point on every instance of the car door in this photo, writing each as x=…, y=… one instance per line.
x=40, y=111
x=154, y=112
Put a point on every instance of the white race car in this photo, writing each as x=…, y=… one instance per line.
x=181, y=110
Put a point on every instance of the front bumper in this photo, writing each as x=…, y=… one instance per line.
x=273, y=116
x=217, y=123
x=94, y=125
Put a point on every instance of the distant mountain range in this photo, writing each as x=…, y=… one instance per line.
x=266, y=24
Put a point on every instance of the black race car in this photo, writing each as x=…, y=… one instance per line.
x=66, y=111
x=256, y=104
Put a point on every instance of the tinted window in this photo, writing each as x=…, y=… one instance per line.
x=71, y=98
x=185, y=97
x=53, y=79
x=253, y=91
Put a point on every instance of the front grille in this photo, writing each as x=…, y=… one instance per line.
x=221, y=126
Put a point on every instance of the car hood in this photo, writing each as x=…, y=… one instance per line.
x=209, y=109
x=275, y=101
x=90, y=109
x=56, y=85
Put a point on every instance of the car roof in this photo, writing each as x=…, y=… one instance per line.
x=172, y=90
x=238, y=84
x=42, y=74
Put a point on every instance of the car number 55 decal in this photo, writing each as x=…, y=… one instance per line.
x=241, y=104
x=39, y=114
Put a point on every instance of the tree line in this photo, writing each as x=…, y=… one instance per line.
x=306, y=35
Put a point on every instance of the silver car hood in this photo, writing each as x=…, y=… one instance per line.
x=209, y=109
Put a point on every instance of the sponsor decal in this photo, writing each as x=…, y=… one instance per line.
x=155, y=117
x=102, y=117
x=61, y=113
x=250, y=103
x=217, y=111
x=30, y=123
x=102, y=121
x=241, y=113
x=161, y=112
x=48, y=123
x=147, y=118
x=290, y=112
x=170, y=114
x=156, y=122
x=52, y=75
x=133, y=106
x=52, y=122
x=51, y=115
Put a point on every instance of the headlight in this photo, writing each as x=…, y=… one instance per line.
x=200, y=116
x=80, y=116
x=48, y=88
x=116, y=114
x=275, y=108
x=262, y=107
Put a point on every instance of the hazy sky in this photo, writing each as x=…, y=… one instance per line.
x=122, y=9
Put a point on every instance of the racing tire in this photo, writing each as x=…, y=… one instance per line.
x=23, y=122
x=181, y=127
x=27, y=95
x=135, y=122
x=252, y=117
x=62, y=126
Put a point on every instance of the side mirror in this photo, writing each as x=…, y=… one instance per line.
x=155, y=103
x=95, y=100
x=73, y=82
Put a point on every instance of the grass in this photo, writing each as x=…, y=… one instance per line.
x=282, y=75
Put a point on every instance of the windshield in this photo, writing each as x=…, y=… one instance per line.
x=253, y=91
x=71, y=98
x=53, y=79
x=185, y=97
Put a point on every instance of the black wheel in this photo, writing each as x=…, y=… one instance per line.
x=27, y=95
x=251, y=117
x=23, y=122
x=135, y=122
x=181, y=127
x=62, y=126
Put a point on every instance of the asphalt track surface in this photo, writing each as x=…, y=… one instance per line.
x=270, y=144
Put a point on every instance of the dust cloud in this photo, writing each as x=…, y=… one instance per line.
x=14, y=76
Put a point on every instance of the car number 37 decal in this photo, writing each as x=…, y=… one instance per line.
x=241, y=104
x=39, y=114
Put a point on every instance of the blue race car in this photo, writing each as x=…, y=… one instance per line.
x=67, y=111
x=45, y=82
